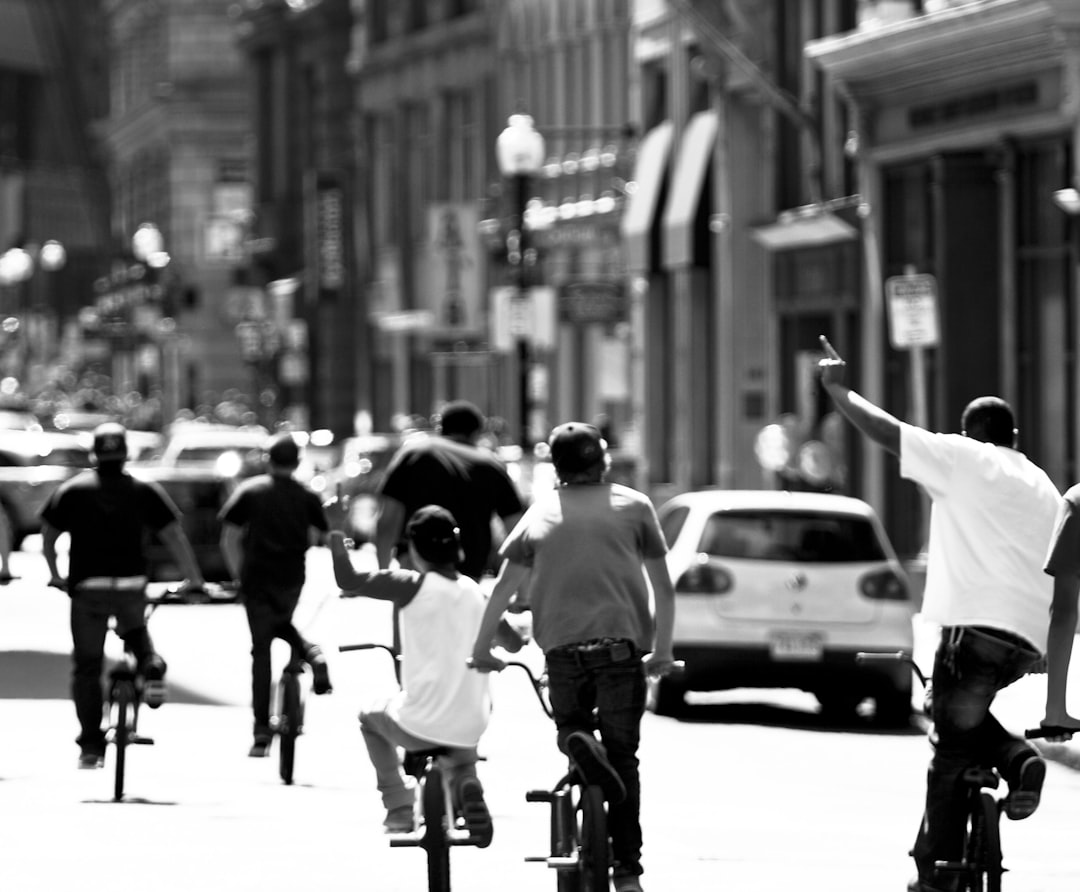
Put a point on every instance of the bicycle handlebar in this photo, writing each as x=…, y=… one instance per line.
x=371, y=646
x=899, y=656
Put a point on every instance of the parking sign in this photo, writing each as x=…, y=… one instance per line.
x=913, y=320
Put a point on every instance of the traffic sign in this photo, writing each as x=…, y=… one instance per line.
x=913, y=320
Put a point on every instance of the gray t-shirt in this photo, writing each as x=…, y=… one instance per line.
x=585, y=545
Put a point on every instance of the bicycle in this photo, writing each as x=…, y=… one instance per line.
x=579, y=842
x=125, y=693
x=287, y=722
x=980, y=869
x=436, y=829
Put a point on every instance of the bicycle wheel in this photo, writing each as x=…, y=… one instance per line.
x=289, y=720
x=983, y=848
x=593, y=841
x=124, y=705
x=435, y=807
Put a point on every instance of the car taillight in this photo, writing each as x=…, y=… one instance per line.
x=704, y=578
x=884, y=586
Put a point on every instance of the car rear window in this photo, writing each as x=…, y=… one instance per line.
x=790, y=536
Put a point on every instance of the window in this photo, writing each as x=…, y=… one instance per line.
x=790, y=536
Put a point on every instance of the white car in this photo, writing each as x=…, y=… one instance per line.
x=781, y=590
x=227, y=451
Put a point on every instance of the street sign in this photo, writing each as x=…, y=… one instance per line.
x=912, y=301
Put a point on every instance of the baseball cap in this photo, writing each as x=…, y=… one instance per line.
x=284, y=451
x=110, y=441
x=434, y=532
x=576, y=446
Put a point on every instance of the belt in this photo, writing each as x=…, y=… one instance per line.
x=114, y=583
x=614, y=650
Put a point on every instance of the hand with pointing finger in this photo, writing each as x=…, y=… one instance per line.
x=832, y=368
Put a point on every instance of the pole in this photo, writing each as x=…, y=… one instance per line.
x=524, y=357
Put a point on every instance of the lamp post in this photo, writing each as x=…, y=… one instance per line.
x=519, y=151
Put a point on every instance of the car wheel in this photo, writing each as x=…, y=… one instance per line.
x=892, y=708
x=666, y=697
x=838, y=706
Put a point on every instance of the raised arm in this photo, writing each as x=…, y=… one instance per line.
x=506, y=583
x=872, y=420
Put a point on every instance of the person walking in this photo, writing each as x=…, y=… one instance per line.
x=441, y=702
x=108, y=514
x=449, y=469
x=991, y=519
x=591, y=551
x=268, y=524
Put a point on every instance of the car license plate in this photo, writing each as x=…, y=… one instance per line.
x=794, y=646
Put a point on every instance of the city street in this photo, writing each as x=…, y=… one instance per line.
x=752, y=792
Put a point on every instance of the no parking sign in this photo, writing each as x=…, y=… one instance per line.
x=913, y=320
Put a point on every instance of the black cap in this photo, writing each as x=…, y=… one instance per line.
x=575, y=447
x=284, y=451
x=434, y=532
x=110, y=442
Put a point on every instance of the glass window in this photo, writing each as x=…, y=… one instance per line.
x=790, y=536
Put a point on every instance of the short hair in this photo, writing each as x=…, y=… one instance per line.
x=989, y=419
x=461, y=418
x=284, y=451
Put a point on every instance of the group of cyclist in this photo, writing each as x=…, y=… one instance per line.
x=583, y=558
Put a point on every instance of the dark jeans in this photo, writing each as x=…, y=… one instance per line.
x=594, y=691
x=971, y=665
x=90, y=613
x=269, y=614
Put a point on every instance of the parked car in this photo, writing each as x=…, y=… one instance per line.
x=226, y=450
x=32, y=465
x=782, y=589
x=199, y=493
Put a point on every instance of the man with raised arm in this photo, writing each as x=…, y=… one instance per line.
x=991, y=519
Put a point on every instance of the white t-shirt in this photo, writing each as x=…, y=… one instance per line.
x=990, y=524
x=441, y=698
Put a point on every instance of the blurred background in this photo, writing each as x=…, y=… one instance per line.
x=336, y=215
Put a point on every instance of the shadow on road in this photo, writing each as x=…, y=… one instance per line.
x=775, y=716
x=43, y=675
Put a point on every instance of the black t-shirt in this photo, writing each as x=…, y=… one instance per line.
x=277, y=514
x=109, y=517
x=468, y=481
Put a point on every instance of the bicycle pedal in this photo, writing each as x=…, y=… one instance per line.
x=139, y=739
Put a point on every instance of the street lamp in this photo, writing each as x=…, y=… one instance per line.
x=519, y=151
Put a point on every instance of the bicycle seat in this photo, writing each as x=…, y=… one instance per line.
x=415, y=761
x=982, y=777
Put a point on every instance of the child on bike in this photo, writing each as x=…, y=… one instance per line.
x=441, y=702
x=591, y=551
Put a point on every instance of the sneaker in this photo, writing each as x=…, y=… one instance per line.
x=626, y=884
x=592, y=764
x=91, y=761
x=920, y=885
x=475, y=813
x=1025, y=793
x=260, y=748
x=320, y=672
x=399, y=820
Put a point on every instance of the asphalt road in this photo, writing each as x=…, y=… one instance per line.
x=753, y=791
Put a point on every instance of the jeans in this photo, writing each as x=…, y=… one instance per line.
x=90, y=613
x=383, y=736
x=605, y=691
x=269, y=614
x=971, y=665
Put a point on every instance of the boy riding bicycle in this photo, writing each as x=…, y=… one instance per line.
x=441, y=702
x=592, y=550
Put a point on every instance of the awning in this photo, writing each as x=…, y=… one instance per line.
x=688, y=180
x=806, y=227
x=640, y=215
x=19, y=46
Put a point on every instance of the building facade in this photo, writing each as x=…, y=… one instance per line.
x=966, y=119
x=176, y=133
